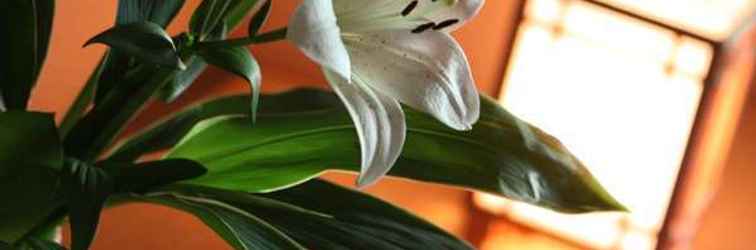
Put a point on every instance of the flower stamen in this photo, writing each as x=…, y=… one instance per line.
x=445, y=24
x=424, y=27
x=408, y=10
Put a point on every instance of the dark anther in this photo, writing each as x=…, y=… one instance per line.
x=423, y=27
x=407, y=10
x=445, y=24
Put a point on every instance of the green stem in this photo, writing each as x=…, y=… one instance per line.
x=272, y=36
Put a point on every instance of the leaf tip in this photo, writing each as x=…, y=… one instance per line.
x=91, y=41
x=612, y=204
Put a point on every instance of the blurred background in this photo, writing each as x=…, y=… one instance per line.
x=654, y=96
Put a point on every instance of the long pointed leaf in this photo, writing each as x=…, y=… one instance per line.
x=144, y=176
x=259, y=19
x=133, y=11
x=501, y=155
x=320, y=215
x=95, y=132
x=166, y=133
x=87, y=189
x=358, y=221
x=144, y=40
x=159, y=12
x=30, y=153
x=212, y=13
x=239, y=61
x=237, y=10
x=84, y=99
x=28, y=23
x=240, y=229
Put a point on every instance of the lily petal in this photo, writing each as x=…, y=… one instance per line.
x=379, y=120
x=427, y=71
x=314, y=30
x=357, y=16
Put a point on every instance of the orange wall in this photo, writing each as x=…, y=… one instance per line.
x=152, y=227
x=728, y=223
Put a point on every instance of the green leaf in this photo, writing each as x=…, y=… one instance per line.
x=357, y=221
x=29, y=23
x=196, y=66
x=501, y=154
x=259, y=19
x=159, y=12
x=239, y=228
x=212, y=13
x=87, y=189
x=28, y=139
x=98, y=128
x=144, y=176
x=84, y=99
x=237, y=60
x=117, y=64
x=208, y=16
x=144, y=40
x=319, y=215
x=30, y=152
x=166, y=133
x=238, y=11
x=45, y=12
x=183, y=79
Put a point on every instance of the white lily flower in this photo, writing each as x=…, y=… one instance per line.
x=378, y=53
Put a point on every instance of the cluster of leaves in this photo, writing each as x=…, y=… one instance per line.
x=252, y=184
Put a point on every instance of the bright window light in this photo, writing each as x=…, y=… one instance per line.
x=622, y=96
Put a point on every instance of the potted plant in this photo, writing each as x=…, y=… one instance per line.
x=404, y=104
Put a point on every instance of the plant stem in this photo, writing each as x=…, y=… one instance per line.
x=272, y=36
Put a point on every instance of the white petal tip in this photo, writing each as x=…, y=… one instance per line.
x=345, y=74
x=460, y=126
x=466, y=127
x=363, y=183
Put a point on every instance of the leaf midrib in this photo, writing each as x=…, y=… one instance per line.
x=221, y=154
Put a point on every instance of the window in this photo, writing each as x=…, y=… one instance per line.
x=713, y=18
x=622, y=94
